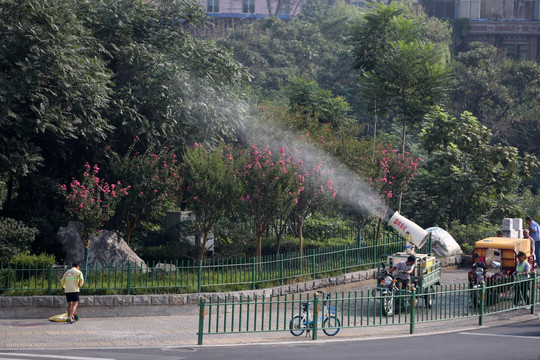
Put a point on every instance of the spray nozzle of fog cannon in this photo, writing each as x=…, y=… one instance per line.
x=409, y=230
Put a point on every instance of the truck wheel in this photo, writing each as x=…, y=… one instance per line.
x=388, y=306
x=428, y=299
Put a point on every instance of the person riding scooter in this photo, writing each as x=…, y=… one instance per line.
x=404, y=271
x=478, y=263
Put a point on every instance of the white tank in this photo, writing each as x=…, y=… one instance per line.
x=404, y=226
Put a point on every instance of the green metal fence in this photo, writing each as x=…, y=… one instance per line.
x=364, y=308
x=209, y=275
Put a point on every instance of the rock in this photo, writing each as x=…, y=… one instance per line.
x=105, y=249
x=162, y=268
x=70, y=239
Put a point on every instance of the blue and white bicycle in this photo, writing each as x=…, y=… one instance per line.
x=303, y=322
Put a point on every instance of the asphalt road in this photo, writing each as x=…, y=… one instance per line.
x=515, y=341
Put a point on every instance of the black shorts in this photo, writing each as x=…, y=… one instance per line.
x=72, y=297
x=403, y=283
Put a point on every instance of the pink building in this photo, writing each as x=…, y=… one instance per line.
x=257, y=8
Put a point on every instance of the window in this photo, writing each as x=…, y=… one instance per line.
x=469, y=9
x=440, y=8
x=248, y=7
x=212, y=6
x=359, y=3
x=522, y=50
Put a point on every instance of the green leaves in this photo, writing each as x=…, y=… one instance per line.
x=15, y=237
x=466, y=175
x=52, y=82
x=212, y=185
x=403, y=70
x=154, y=180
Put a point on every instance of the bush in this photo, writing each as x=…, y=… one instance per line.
x=467, y=235
x=27, y=260
x=164, y=245
x=15, y=237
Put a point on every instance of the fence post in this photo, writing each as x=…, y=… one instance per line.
x=358, y=245
x=202, y=302
x=50, y=279
x=281, y=269
x=532, y=296
x=482, y=302
x=345, y=259
x=413, y=311
x=313, y=264
x=129, y=277
x=253, y=273
x=199, y=277
x=316, y=316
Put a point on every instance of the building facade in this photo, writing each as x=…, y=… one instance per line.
x=229, y=14
x=513, y=25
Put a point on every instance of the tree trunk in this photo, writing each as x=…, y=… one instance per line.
x=301, y=239
x=378, y=230
x=402, y=155
x=9, y=195
x=301, y=235
x=259, y=244
x=279, y=229
x=203, y=248
x=131, y=227
x=375, y=116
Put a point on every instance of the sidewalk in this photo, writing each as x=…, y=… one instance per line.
x=181, y=329
x=168, y=331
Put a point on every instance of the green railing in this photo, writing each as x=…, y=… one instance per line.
x=198, y=276
x=365, y=308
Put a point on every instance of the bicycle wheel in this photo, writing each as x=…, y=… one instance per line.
x=333, y=323
x=297, y=326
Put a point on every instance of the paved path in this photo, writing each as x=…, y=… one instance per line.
x=168, y=331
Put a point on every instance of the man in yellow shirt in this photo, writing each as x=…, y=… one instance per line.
x=72, y=281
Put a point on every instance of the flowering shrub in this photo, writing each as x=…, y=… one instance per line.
x=92, y=201
x=394, y=172
x=316, y=184
x=272, y=186
x=154, y=179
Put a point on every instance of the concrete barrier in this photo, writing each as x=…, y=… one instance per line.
x=39, y=307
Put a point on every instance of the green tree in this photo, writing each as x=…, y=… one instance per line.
x=154, y=181
x=15, y=237
x=403, y=70
x=502, y=93
x=271, y=185
x=167, y=83
x=273, y=50
x=212, y=186
x=53, y=86
x=80, y=79
x=306, y=98
x=465, y=176
x=404, y=73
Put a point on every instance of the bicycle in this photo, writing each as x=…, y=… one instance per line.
x=303, y=322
